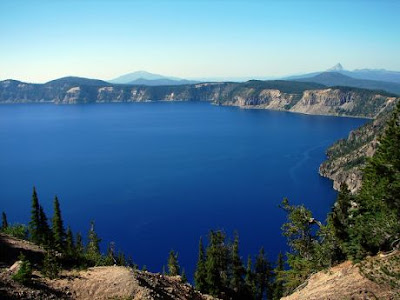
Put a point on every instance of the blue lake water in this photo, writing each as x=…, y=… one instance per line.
x=157, y=176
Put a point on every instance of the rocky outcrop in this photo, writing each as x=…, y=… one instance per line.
x=347, y=157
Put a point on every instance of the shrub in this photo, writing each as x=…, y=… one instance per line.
x=24, y=274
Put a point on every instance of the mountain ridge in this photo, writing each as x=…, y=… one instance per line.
x=294, y=96
x=366, y=74
x=339, y=79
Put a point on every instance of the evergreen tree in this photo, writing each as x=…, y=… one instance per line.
x=330, y=249
x=4, y=223
x=278, y=288
x=69, y=243
x=238, y=271
x=217, y=263
x=58, y=227
x=34, y=224
x=299, y=231
x=381, y=176
x=109, y=259
x=201, y=272
x=93, y=246
x=44, y=229
x=173, y=265
x=183, y=276
x=79, y=245
x=262, y=275
x=121, y=261
x=51, y=268
x=374, y=223
x=24, y=274
x=250, y=280
x=341, y=213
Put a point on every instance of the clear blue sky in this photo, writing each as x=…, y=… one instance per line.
x=43, y=40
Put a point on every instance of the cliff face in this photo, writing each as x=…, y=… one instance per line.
x=347, y=157
x=331, y=101
x=297, y=97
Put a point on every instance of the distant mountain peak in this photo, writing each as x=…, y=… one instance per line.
x=127, y=78
x=336, y=68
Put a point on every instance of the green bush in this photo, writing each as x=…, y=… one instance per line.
x=51, y=268
x=16, y=230
x=24, y=274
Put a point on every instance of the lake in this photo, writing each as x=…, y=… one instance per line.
x=157, y=176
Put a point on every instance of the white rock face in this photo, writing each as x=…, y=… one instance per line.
x=325, y=101
x=72, y=95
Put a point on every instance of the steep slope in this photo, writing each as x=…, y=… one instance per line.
x=374, y=278
x=346, y=157
x=323, y=101
x=333, y=78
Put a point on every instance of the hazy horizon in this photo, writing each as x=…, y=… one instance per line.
x=194, y=39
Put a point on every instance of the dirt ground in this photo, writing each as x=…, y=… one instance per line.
x=361, y=281
x=112, y=282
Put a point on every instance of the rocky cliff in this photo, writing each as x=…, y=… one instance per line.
x=347, y=157
x=300, y=97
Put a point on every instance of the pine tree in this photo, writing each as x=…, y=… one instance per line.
x=24, y=274
x=341, y=214
x=201, y=273
x=262, y=275
x=45, y=237
x=34, y=224
x=278, y=286
x=183, y=276
x=109, y=259
x=238, y=271
x=173, y=265
x=79, y=245
x=329, y=250
x=58, y=227
x=69, y=243
x=4, y=223
x=217, y=263
x=375, y=226
x=250, y=279
x=51, y=268
x=381, y=176
x=121, y=261
x=300, y=234
x=93, y=246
